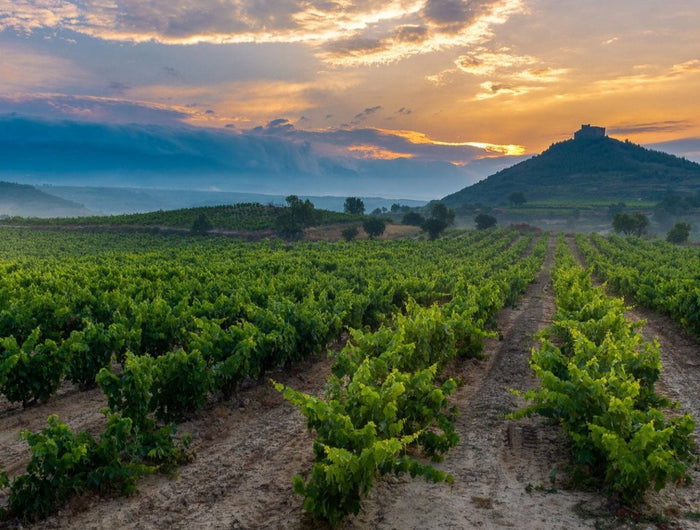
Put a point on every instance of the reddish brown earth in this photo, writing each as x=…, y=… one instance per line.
x=335, y=232
x=508, y=474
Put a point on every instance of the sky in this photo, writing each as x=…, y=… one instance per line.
x=453, y=85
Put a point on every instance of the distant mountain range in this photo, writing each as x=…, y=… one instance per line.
x=139, y=200
x=23, y=200
x=27, y=201
x=591, y=167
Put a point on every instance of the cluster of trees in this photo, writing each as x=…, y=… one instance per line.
x=300, y=214
x=296, y=216
x=354, y=205
x=413, y=219
x=373, y=226
x=484, y=221
x=290, y=221
x=679, y=233
x=395, y=209
x=440, y=218
x=634, y=224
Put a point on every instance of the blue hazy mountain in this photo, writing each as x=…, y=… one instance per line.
x=27, y=201
x=137, y=200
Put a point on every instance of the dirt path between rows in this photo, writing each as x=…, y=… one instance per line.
x=501, y=467
x=507, y=473
x=247, y=451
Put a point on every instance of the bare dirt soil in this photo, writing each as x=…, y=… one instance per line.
x=330, y=232
x=335, y=232
x=508, y=474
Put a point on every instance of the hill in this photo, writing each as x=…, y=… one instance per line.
x=236, y=217
x=589, y=168
x=27, y=201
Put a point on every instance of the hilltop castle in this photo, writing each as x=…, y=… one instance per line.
x=587, y=132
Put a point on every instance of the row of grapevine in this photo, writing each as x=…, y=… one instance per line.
x=384, y=396
x=132, y=444
x=263, y=305
x=656, y=274
x=597, y=379
x=163, y=326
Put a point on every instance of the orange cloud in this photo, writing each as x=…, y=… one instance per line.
x=511, y=74
x=258, y=101
x=630, y=83
x=491, y=90
x=376, y=152
x=347, y=33
x=484, y=62
x=416, y=137
x=427, y=37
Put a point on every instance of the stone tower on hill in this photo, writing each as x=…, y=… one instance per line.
x=586, y=132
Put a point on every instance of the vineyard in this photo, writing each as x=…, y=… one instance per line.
x=205, y=382
x=657, y=275
x=234, y=217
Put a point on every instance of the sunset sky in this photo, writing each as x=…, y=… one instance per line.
x=422, y=80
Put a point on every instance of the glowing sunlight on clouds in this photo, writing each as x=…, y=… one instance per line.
x=676, y=73
x=344, y=33
x=358, y=79
x=377, y=153
x=416, y=137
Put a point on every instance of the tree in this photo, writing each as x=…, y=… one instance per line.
x=434, y=227
x=484, y=221
x=201, y=224
x=517, y=198
x=413, y=219
x=631, y=224
x=440, y=218
x=350, y=233
x=623, y=222
x=374, y=227
x=679, y=233
x=439, y=210
x=296, y=216
x=354, y=205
